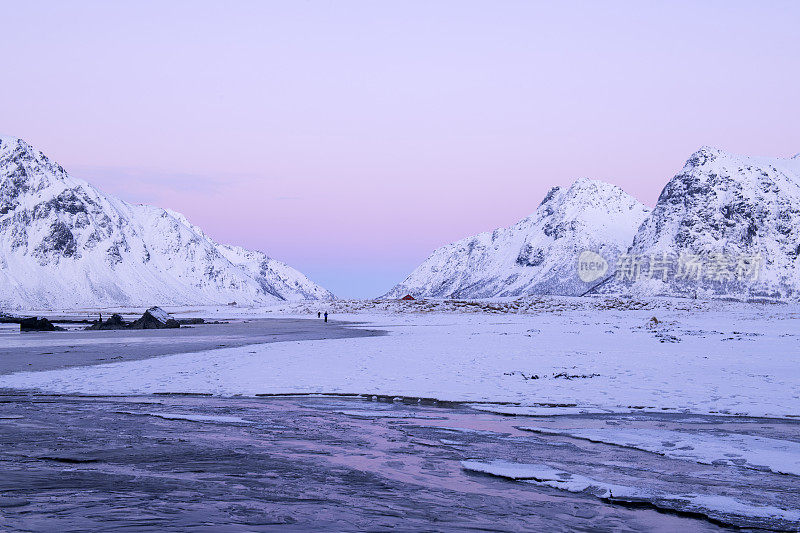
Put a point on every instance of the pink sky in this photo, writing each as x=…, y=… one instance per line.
x=349, y=139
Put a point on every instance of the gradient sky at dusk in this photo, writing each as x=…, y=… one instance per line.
x=350, y=139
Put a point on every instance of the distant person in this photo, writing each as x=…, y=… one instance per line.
x=326, y=316
x=319, y=315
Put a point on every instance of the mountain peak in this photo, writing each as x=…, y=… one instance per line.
x=582, y=184
x=581, y=190
x=587, y=195
x=706, y=154
x=9, y=145
x=16, y=150
x=731, y=205
x=588, y=185
x=538, y=254
x=22, y=166
x=104, y=251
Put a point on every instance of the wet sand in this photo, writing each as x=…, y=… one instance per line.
x=36, y=351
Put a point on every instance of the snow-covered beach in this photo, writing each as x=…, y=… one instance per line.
x=593, y=354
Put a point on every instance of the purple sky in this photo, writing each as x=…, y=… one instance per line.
x=349, y=139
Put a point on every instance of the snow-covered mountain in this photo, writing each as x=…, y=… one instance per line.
x=720, y=219
x=539, y=254
x=65, y=244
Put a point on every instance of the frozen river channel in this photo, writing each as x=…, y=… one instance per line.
x=169, y=463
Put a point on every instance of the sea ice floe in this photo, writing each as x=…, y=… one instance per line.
x=718, y=507
x=192, y=417
x=706, y=447
x=367, y=413
x=542, y=410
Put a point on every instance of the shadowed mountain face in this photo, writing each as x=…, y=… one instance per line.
x=64, y=243
x=538, y=255
x=725, y=225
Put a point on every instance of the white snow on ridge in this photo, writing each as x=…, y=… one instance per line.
x=729, y=207
x=65, y=244
x=539, y=254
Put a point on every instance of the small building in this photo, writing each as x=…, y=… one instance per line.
x=408, y=297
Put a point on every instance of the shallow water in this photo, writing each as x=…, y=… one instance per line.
x=171, y=463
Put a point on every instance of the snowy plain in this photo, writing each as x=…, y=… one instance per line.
x=591, y=354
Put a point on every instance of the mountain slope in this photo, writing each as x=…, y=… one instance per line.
x=715, y=222
x=65, y=244
x=539, y=254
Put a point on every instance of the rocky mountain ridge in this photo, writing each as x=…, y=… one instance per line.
x=539, y=254
x=65, y=244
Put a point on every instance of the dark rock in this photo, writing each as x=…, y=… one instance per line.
x=549, y=196
x=59, y=242
x=530, y=256
x=115, y=322
x=37, y=324
x=9, y=319
x=192, y=321
x=148, y=321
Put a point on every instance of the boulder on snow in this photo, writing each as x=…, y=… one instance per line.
x=35, y=323
x=155, y=318
x=159, y=314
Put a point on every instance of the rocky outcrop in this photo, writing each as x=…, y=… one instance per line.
x=153, y=318
x=115, y=321
x=37, y=324
x=726, y=225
